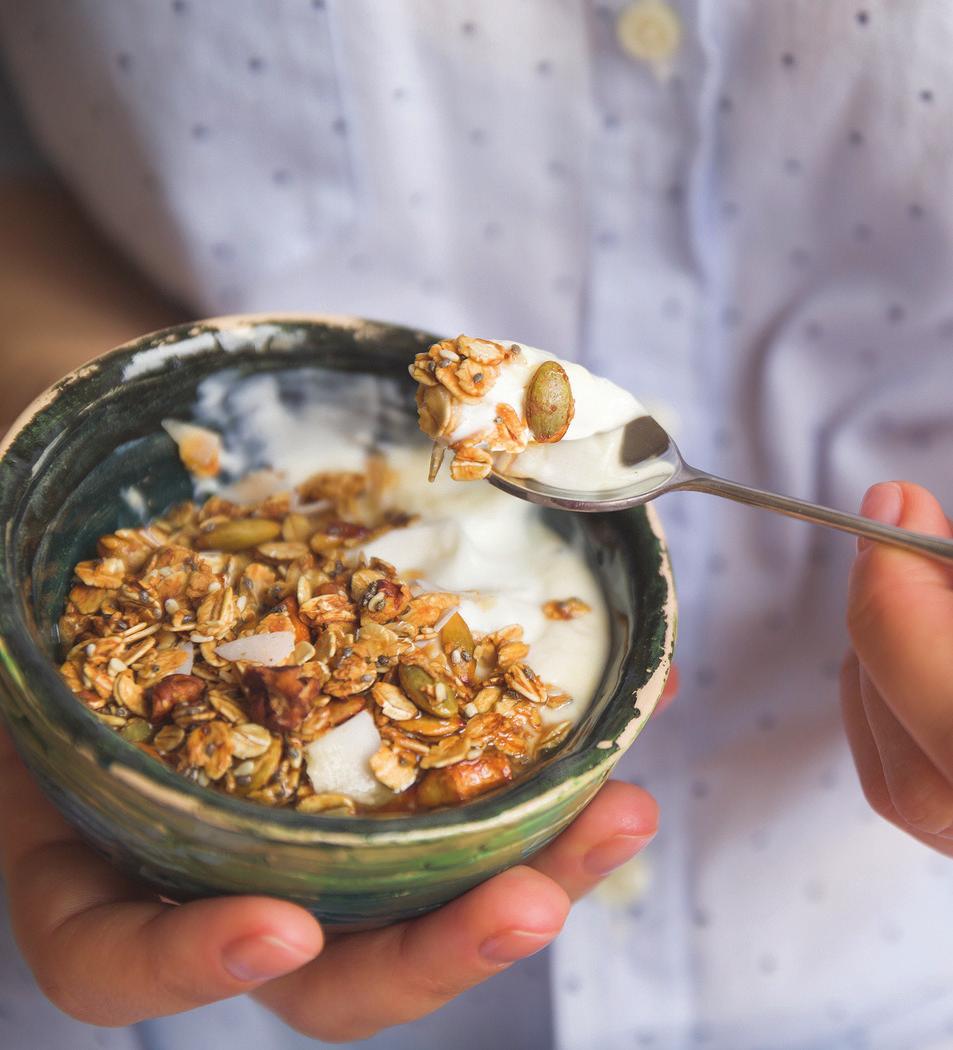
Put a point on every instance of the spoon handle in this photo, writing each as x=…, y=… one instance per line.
x=699, y=481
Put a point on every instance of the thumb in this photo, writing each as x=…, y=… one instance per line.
x=104, y=949
x=120, y=963
x=900, y=617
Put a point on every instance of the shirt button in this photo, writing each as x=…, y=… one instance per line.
x=650, y=32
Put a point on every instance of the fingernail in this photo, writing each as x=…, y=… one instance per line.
x=263, y=957
x=513, y=945
x=883, y=503
x=608, y=855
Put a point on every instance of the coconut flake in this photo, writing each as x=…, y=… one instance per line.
x=188, y=657
x=255, y=487
x=339, y=761
x=271, y=649
x=200, y=449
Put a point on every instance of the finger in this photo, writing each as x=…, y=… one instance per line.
x=900, y=614
x=107, y=951
x=866, y=756
x=30, y=824
x=616, y=825
x=367, y=981
x=861, y=740
x=921, y=795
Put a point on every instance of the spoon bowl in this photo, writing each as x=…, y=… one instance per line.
x=644, y=464
x=640, y=462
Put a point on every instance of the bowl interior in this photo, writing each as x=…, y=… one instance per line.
x=95, y=459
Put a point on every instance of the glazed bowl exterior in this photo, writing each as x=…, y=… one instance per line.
x=64, y=467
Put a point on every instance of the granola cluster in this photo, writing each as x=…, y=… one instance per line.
x=463, y=371
x=224, y=638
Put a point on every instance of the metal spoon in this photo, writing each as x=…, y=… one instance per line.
x=652, y=465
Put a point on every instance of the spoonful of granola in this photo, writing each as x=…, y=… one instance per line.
x=551, y=432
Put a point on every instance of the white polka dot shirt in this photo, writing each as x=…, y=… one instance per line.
x=743, y=212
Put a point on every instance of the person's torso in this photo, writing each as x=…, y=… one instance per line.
x=739, y=210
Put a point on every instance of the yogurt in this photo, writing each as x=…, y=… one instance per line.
x=601, y=406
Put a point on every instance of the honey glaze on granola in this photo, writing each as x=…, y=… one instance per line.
x=347, y=642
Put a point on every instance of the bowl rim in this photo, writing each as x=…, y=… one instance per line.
x=531, y=795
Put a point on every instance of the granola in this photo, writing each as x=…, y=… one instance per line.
x=227, y=639
x=565, y=609
x=455, y=375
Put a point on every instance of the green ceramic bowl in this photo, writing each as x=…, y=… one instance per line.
x=63, y=469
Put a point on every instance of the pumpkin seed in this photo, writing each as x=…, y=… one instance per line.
x=457, y=642
x=549, y=405
x=238, y=535
x=435, y=697
x=436, y=459
x=136, y=730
